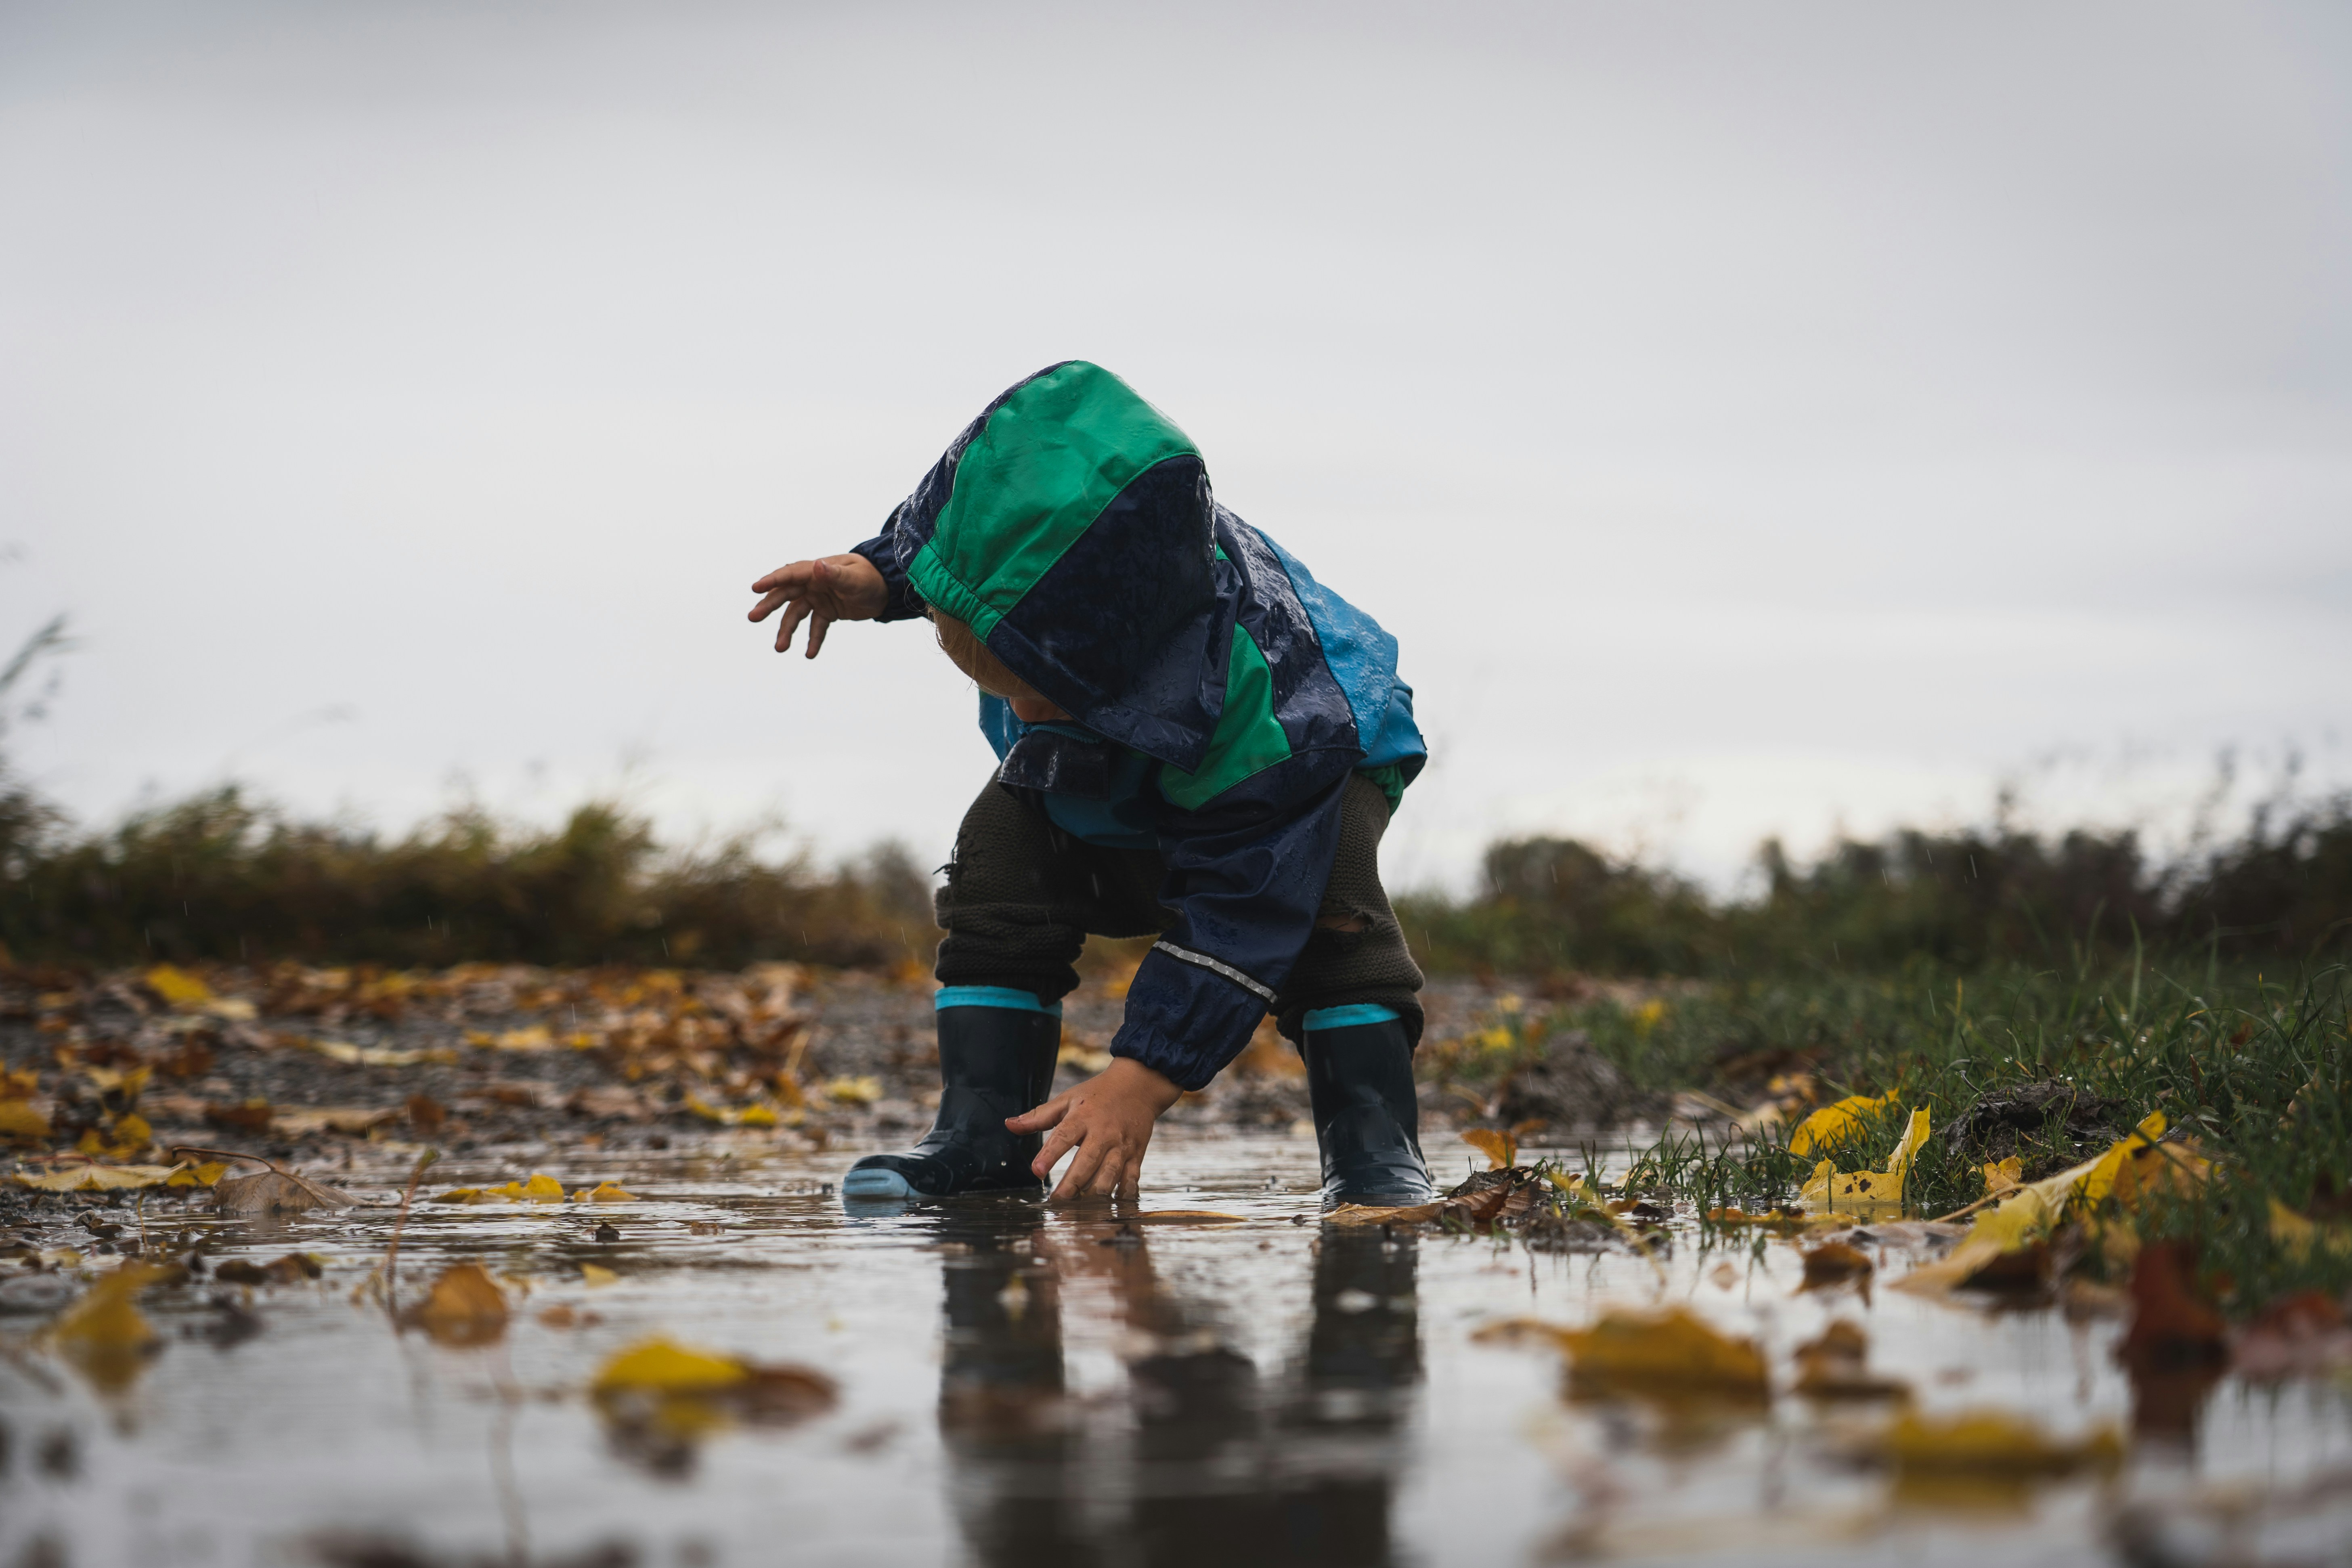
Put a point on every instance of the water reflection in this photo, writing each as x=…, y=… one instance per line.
x=1207, y=1456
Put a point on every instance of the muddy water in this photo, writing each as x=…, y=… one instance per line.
x=1023, y=1387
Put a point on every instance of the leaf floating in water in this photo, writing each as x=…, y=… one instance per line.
x=593, y=1274
x=1836, y=1263
x=1674, y=1352
x=539, y=1189
x=605, y=1193
x=1994, y=1443
x=276, y=1193
x=466, y=1306
x=1836, y=1366
x=659, y=1365
x=104, y=1334
x=1190, y=1216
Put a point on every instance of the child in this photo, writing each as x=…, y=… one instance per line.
x=1198, y=742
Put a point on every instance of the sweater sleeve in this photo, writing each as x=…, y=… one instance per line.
x=882, y=549
x=1245, y=874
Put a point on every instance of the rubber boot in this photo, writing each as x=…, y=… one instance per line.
x=996, y=1059
x=1367, y=1121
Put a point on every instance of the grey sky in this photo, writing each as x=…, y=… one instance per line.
x=1749, y=417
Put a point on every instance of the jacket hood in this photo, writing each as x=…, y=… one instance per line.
x=1072, y=527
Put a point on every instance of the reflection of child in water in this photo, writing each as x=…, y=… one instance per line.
x=1197, y=741
x=1220, y=1464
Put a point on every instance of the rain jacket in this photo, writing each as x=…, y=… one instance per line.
x=1222, y=696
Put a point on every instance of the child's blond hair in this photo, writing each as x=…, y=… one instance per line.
x=972, y=656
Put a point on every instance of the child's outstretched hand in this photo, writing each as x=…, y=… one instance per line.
x=821, y=592
x=1107, y=1119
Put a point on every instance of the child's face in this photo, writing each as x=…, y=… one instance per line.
x=969, y=655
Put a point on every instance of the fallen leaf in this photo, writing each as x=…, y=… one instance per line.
x=2025, y=1218
x=375, y=1056
x=1868, y=1192
x=2002, y=1175
x=2170, y=1326
x=1670, y=1352
x=1833, y=1125
x=2299, y=1235
x=98, y=1178
x=539, y=1189
x=177, y=987
x=1836, y=1366
x=564, y=1316
x=22, y=1119
x=425, y=1114
x=596, y=1274
x=201, y=1175
x=860, y=1091
x=1835, y=1263
x=1501, y=1149
x=250, y=1116
x=659, y=1365
x=104, y=1332
x=276, y=1193
x=352, y=1121
x=1993, y=1442
x=1188, y=1217
x=605, y=1193
x=465, y=1307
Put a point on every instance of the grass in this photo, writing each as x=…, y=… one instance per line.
x=2252, y=1069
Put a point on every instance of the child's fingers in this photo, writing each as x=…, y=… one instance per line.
x=817, y=627
x=1080, y=1175
x=1063, y=1139
x=1041, y=1117
x=784, y=580
x=795, y=614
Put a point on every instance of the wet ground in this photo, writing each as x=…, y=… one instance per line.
x=1015, y=1385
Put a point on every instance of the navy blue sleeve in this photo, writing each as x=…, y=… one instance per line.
x=1245, y=874
x=882, y=549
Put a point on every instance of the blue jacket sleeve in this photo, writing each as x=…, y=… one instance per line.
x=882, y=549
x=1245, y=874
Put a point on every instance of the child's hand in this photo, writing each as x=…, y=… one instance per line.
x=821, y=592
x=1107, y=1119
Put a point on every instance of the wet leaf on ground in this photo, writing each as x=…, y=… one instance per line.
x=104, y=1334
x=276, y=1193
x=1672, y=1352
x=465, y=1307
x=1867, y=1192
x=1837, y=1366
x=97, y=1178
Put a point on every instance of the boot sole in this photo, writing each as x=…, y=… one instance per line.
x=877, y=1183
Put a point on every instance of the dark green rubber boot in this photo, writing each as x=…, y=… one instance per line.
x=997, y=1050
x=1367, y=1121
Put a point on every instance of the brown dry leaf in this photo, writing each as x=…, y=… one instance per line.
x=2171, y=1328
x=425, y=1114
x=1835, y=1263
x=564, y=1316
x=98, y=1178
x=1837, y=1366
x=1501, y=1149
x=276, y=1193
x=466, y=1306
x=104, y=1334
x=250, y=1116
x=352, y=1121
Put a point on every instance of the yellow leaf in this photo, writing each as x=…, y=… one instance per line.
x=98, y=1178
x=177, y=987
x=595, y=1274
x=704, y=1109
x=1833, y=1125
x=132, y=1133
x=18, y=1119
x=104, y=1332
x=2029, y=1213
x=202, y=1175
x=1501, y=1149
x=536, y=1037
x=542, y=1189
x=1999, y=1176
x=862, y=1091
x=1669, y=1352
x=1992, y=1443
x=659, y=1366
x=604, y=1192
x=2299, y=1235
x=756, y=1116
x=1868, y=1192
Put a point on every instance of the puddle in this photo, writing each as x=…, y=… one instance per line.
x=1019, y=1386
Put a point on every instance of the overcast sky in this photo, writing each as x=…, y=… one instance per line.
x=1751, y=418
